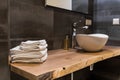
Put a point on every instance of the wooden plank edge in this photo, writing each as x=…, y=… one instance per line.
x=23, y=73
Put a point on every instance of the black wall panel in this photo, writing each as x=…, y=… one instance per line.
x=30, y=20
x=4, y=69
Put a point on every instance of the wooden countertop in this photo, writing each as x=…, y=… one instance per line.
x=62, y=62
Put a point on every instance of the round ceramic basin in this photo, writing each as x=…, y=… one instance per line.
x=92, y=42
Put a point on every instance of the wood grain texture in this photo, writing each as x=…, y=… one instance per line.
x=62, y=62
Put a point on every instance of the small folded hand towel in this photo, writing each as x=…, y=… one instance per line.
x=26, y=61
x=15, y=57
x=31, y=60
x=32, y=43
x=29, y=55
x=17, y=50
x=29, y=48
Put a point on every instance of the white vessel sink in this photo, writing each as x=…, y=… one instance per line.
x=91, y=42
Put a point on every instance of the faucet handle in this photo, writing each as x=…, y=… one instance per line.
x=74, y=24
x=74, y=29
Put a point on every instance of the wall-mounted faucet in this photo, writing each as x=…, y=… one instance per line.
x=74, y=29
x=73, y=38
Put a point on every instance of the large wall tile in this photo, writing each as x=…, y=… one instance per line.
x=4, y=69
x=3, y=32
x=30, y=21
x=3, y=19
x=4, y=61
x=4, y=73
x=3, y=53
x=3, y=12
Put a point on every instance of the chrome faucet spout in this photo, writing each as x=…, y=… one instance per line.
x=74, y=38
x=85, y=27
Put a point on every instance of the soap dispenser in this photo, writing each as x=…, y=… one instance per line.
x=66, y=42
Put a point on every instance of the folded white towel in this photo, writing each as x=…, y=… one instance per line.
x=30, y=51
x=15, y=57
x=29, y=55
x=29, y=48
x=31, y=60
x=26, y=61
x=17, y=50
x=33, y=43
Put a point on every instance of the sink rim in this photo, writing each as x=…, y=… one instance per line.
x=99, y=35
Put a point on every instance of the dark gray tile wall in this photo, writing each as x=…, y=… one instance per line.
x=3, y=20
x=30, y=20
x=4, y=69
x=104, y=12
x=80, y=5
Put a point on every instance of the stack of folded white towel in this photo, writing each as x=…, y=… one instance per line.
x=30, y=52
